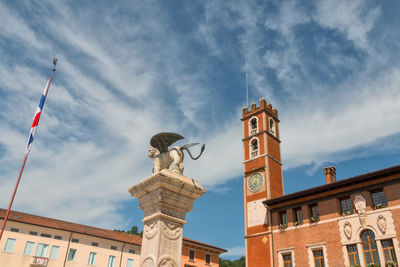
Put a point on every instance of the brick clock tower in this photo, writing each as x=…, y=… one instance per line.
x=262, y=178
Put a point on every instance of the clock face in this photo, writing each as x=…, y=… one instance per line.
x=255, y=182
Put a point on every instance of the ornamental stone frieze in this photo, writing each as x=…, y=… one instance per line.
x=347, y=229
x=167, y=262
x=148, y=262
x=172, y=230
x=151, y=228
x=379, y=221
x=360, y=204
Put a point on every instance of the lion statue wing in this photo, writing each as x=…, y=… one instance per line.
x=162, y=141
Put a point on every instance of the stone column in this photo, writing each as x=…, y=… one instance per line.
x=165, y=197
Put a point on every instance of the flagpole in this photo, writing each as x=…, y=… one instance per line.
x=23, y=164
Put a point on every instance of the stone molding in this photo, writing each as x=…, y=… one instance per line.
x=310, y=252
x=284, y=251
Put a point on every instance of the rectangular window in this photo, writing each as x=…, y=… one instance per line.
x=54, y=252
x=353, y=255
x=113, y=247
x=9, y=245
x=129, y=263
x=111, y=261
x=41, y=250
x=347, y=207
x=74, y=240
x=208, y=259
x=71, y=254
x=14, y=230
x=388, y=250
x=287, y=260
x=29, y=248
x=92, y=258
x=95, y=244
x=283, y=217
x=45, y=235
x=57, y=237
x=318, y=258
x=191, y=255
x=298, y=216
x=32, y=233
x=314, y=213
x=132, y=251
x=378, y=198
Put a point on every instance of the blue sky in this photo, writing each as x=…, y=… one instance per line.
x=130, y=69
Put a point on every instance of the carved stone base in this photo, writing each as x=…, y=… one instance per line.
x=165, y=197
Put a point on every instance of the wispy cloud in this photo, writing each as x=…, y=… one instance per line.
x=353, y=19
x=132, y=69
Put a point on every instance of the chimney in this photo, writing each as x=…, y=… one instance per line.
x=330, y=174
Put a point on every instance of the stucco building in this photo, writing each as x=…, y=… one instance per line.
x=31, y=240
x=353, y=221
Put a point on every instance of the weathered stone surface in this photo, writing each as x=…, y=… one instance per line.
x=165, y=198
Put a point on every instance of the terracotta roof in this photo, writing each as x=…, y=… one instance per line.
x=83, y=229
x=204, y=244
x=71, y=227
x=338, y=184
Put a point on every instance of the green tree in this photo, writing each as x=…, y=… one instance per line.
x=236, y=263
x=134, y=231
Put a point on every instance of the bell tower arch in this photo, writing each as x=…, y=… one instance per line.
x=262, y=178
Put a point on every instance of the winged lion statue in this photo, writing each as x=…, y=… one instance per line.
x=163, y=157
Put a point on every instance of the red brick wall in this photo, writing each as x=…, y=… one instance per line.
x=327, y=229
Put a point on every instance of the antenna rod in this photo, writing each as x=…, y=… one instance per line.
x=247, y=88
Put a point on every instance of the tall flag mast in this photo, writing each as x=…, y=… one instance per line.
x=34, y=126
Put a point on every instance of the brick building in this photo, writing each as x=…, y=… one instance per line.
x=30, y=240
x=354, y=221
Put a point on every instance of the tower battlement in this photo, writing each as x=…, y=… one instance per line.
x=263, y=105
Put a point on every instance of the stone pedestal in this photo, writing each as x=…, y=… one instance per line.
x=165, y=197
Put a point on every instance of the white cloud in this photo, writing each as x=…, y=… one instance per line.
x=222, y=158
x=354, y=19
x=339, y=123
x=289, y=16
x=13, y=26
x=99, y=116
x=234, y=252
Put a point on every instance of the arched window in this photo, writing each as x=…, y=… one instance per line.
x=253, y=126
x=254, y=148
x=369, y=247
x=272, y=129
